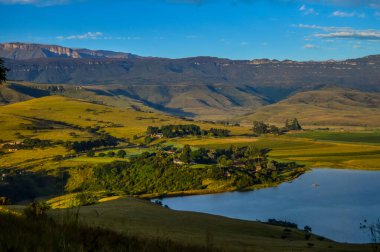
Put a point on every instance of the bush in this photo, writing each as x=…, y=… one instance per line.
x=121, y=153
x=85, y=199
x=90, y=153
x=4, y=201
x=36, y=210
x=111, y=154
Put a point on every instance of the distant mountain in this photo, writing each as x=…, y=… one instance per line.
x=327, y=106
x=25, y=51
x=199, y=87
x=270, y=75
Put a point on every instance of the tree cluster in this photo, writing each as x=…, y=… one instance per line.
x=29, y=143
x=158, y=172
x=292, y=124
x=171, y=131
x=105, y=140
x=261, y=128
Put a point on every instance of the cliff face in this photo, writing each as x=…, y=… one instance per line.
x=25, y=51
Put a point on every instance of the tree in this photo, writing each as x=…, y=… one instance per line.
x=293, y=124
x=274, y=130
x=185, y=154
x=148, y=139
x=3, y=72
x=111, y=154
x=307, y=229
x=259, y=128
x=121, y=153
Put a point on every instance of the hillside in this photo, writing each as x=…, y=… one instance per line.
x=43, y=117
x=211, y=102
x=325, y=107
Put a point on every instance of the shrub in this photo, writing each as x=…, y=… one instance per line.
x=121, y=153
x=36, y=210
x=90, y=153
x=4, y=201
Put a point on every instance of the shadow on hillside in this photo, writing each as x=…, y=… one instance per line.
x=24, y=186
x=33, y=92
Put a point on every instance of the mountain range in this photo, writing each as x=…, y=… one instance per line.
x=25, y=51
x=200, y=87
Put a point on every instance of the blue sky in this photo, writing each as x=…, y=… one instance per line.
x=236, y=29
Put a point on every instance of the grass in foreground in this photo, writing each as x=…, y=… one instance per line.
x=18, y=233
x=139, y=217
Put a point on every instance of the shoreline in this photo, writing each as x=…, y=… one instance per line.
x=152, y=196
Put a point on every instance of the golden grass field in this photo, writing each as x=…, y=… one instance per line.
x=315, y=149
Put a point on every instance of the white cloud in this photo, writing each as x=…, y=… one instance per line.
x=347, y=14
x=354, y=34
x=343, y=32
x=324, y=28
x=95, y=36
x=87, y=35
x=309, y=46
x=307, y=11
x=377, y=13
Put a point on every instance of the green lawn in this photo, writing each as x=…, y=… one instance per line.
x=353, y=137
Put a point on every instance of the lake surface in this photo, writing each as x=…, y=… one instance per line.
x=334, y=209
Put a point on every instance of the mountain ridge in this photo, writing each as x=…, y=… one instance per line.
x=206, y=88
x=25, y=51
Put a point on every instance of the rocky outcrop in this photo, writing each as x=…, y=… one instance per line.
x=25, y=51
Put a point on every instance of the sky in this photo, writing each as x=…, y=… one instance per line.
x=235, y=29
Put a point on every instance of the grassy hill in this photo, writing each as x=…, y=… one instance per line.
x=61, y=118
x=325, y=107
x=139, y=217
x=130, y=224
x=219, y=102
x=211, y=102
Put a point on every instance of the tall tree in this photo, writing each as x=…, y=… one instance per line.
x=185, y=154
x=3, y=72
x=293, y=124
x=259, y=128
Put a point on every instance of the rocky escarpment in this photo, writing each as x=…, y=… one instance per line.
x=25, y=51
